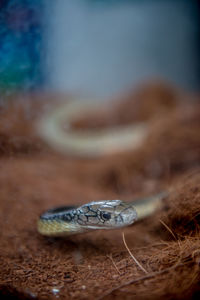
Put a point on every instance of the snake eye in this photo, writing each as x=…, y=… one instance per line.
x=105, y=215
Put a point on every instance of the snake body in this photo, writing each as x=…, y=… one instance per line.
x=55, y=128
x=105, y=214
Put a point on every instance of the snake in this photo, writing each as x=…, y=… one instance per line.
x=103, y=214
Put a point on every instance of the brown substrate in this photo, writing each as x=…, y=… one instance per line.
x=97, y=265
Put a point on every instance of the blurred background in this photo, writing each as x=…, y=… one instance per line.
x=98, y=48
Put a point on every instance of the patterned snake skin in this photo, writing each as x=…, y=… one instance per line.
x=107, y=214
x=95, y=215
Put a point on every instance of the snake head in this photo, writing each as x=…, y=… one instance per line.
x=107, y=214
